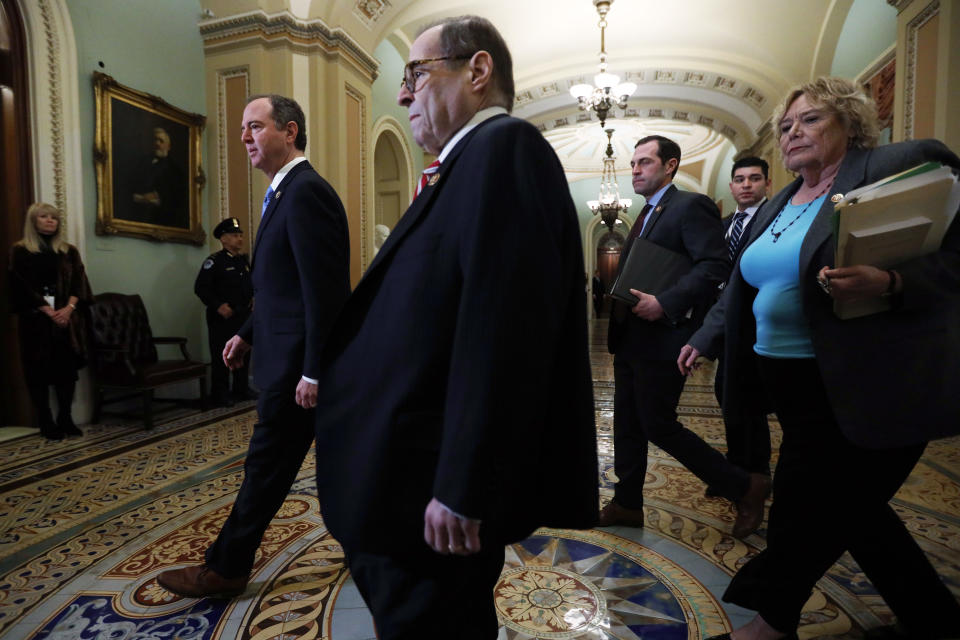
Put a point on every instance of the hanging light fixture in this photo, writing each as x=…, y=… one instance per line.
x=608, y=90
x=609, y=205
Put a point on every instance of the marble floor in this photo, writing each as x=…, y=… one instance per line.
x=88, y=523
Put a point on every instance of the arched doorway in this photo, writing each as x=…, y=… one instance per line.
x=16, y=188
x=391, y=183
x=609, y=247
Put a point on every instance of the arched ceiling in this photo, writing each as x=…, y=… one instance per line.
x=706, y=63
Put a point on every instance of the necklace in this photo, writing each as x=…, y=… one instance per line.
x=776, y=234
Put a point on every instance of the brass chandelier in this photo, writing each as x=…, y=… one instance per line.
x=607, y=90
x=609, y=205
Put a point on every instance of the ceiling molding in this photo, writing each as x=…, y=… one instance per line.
x=262, y=27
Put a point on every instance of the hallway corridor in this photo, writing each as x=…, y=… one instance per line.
x=88, y=523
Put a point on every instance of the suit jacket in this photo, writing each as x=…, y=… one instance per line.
x=746, y=230
x=300, y=273
x=890, y=377
x=689, y=224
x=459, y=366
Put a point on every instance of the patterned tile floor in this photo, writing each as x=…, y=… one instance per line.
x=88, y=523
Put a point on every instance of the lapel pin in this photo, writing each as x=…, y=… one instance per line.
x=433, y=179
x=658, y=209
x=835, y=198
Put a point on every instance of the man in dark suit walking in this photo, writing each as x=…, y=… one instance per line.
x=646, y=337
x=439, y=398
x=747, y=431
x=300, y=272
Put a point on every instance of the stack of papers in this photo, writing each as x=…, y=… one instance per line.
x=892, y=220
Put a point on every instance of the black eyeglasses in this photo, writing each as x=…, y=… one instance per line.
x=410, y=82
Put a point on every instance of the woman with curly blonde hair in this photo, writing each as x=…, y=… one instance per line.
x=857, y=399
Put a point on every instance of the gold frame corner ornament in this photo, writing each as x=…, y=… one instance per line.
x=106, y=91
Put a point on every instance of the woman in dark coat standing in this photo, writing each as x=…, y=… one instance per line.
x=48, y=285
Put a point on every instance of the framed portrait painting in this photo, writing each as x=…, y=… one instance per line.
x=147, y=155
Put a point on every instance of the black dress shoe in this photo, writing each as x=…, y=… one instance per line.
x=613, y=515
x=750, y=506
x=50, y=430
x=68, y=427
x=221, y=401
x=710, y=492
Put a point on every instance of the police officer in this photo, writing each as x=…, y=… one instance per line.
x=224, y=286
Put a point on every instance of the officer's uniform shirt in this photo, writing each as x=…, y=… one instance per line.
x=225, y=277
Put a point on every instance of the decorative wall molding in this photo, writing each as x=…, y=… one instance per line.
x=309, y=35
x=366, y=229
x=224, y=132
x=910, y=66
x=899, y=5
x=54, y=109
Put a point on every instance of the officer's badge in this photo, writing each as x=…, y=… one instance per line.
x=208, y=263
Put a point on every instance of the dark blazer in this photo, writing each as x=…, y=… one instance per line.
x=689, y=224
x=891, y=377
x=459, y=367
x=300, y=272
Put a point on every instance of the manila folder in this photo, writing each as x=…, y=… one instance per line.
x=649, y=268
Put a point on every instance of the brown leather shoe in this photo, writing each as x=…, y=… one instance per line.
x=201, y=581
x=613, y=515
x=750, y=506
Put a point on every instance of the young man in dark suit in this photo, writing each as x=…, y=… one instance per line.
x=645, y=339
x=747, y=432
x=438, y=397
x=300, y=272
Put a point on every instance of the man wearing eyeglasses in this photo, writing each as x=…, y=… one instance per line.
x=482, y=429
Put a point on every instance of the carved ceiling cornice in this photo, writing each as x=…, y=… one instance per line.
x=749, y=95
x=284, y=27
x=685, y=116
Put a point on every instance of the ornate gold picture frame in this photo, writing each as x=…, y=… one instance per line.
x=147, y=154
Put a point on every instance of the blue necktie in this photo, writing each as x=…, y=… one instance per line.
x=266, y=201
x=734, y=241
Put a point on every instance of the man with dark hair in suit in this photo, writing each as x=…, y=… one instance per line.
x=300, y=272
x=645, y=339
x=437, y=396
x=747, y=433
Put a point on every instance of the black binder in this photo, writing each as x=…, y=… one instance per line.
x=649, y=268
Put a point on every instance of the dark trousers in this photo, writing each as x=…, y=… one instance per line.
x=422, y=595
x=277, y=448
x=831, y=496
x=39, y=395
x=646, y=393
x=747, y=433
x=219, y=330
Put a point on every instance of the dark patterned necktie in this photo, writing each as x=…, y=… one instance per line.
x=733, y=242
x=635, y=231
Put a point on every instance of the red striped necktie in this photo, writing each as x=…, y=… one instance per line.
x=431, y=169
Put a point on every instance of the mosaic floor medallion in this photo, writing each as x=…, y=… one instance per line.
x=599, y=586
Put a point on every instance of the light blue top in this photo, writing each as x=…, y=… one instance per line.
x=773, y=268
